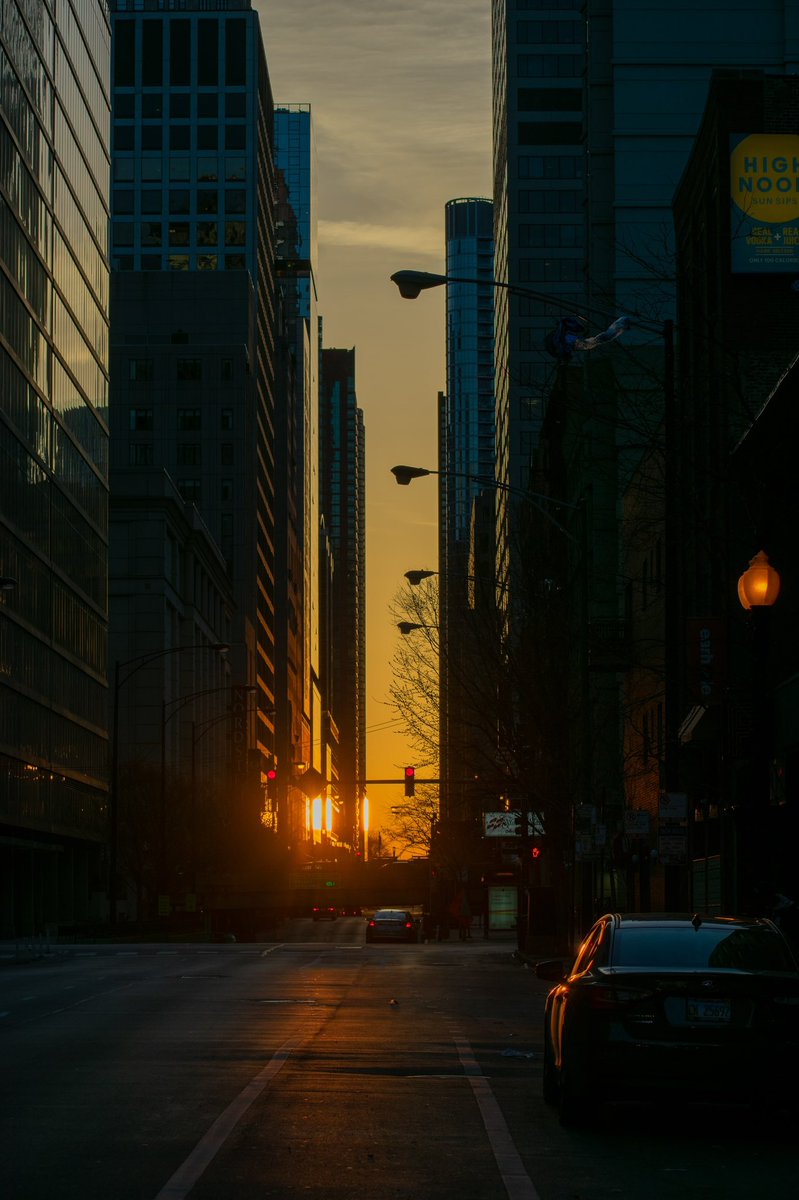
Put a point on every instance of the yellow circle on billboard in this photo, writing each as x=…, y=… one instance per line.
x=764, y=176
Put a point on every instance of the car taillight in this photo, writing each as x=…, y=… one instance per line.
x=614, y=997
x=409, y=924
x=371, y=924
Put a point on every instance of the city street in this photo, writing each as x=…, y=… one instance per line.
x=319, y=1067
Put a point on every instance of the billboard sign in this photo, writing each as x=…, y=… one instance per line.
x=764, y=202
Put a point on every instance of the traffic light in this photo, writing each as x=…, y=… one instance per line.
x=271, y=783
x=535, y=852
x=410, y=781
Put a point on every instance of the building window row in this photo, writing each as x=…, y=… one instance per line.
x=550, y=166
x=179, y=262
x=207, y=168
x=154, y=106
x=549, y=66
x=179, y=137
x=181, y=201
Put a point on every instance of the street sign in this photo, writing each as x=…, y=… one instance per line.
x=503, y=824
x=636, y=822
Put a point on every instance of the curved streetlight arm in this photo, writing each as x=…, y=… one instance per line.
x=180, y=702
x=404, y=475
x=412, y=283
x=142, y=660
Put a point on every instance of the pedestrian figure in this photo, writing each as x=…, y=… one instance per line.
x=463, y=914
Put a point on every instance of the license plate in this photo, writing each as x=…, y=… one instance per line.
x=714, y=1012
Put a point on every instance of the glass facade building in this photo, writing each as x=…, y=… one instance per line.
x=469, y=445
x=343, y=498
x=296, y=239
x=467, y=462
x=54, y=348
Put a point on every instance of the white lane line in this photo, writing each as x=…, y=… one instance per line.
x=187, y=1174
x=518, y=1183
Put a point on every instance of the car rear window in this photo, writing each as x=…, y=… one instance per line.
x=709, y=946
x=389, y=916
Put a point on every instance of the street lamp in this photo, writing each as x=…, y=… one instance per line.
x=570, y=333
x=415, y=577
x=404, y=475
x=406, y=627
x=120, y=680
x=759, y=586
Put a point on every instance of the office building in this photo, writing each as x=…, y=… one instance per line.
x=343, y=501
x=304, y=746
x=195, y=355
x=54, y=150
x=596, y=108
x=467, y=464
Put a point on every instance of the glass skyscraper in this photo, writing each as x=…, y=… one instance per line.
x=54, y=348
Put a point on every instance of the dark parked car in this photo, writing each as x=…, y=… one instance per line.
x=695, y=1008
x=391, y=925
x=324, y=912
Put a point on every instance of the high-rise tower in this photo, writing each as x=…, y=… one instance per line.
x=195, y=331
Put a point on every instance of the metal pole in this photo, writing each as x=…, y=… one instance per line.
x=162, y=868
x=113, y=806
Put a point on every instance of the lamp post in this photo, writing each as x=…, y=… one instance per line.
x=545, y=505
x=758, y=590
x=121, y=678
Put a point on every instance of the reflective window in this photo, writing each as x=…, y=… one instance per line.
x=124, y=137
x=178, y=233
x=151, y=137
x=189, y=369
x=235, y=200
x=180, y=105
x=152, y=105
x=140, y=370
x=179, y=199
x=141, y=420
x=123, y=200
x=180, y=137
x=140, y=454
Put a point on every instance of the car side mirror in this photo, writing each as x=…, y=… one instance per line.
x=552, y=969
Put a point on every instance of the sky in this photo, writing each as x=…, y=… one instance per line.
x=400, y=95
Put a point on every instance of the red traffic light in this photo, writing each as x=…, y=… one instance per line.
x=536, y=852
x=271, y=774
x=410, y=780
x=410, y=772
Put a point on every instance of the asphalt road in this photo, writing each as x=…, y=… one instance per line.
x=320, y=1067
